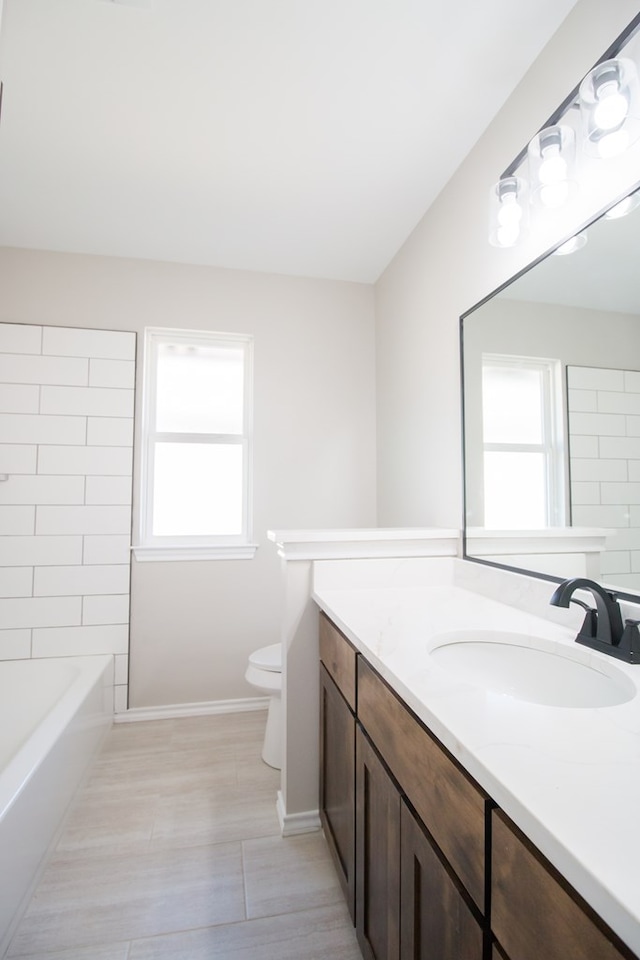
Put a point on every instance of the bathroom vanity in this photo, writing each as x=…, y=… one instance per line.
x=467, y=823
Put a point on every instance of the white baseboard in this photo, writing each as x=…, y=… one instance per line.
x=292, y=824
x=207, y=707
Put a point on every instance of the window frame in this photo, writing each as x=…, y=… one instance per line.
x=205, y=547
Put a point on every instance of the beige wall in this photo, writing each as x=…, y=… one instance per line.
x=445, y=267
x=194, y=623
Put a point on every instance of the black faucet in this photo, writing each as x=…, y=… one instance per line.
x=603, y=628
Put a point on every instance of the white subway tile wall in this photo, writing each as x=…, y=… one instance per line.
x=74, y=641
x=17, y=520
x=23, y=489
x=16, y=581
x=51, y=520
x=112, y=373
x=89, y=401
x=42, y=429
x=66, y=454
x=40, y=370
x=110, y=431
x=604, y=450
x=39, y=551
x=104, y=490
x=106, y=549
x=16, y=644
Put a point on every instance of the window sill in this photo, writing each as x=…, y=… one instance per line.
x=245, y=551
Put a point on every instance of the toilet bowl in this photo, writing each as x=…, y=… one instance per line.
x=264, y=672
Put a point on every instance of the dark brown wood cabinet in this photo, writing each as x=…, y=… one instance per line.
x=535, y=913
x=445, y=798
x=337, y=778
x=373, y=753
x=437, y=923
x=431, y=869
x=377, y=855
x=337, y=752
x=339, y=658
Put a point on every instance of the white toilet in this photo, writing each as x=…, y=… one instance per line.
x=264, y=672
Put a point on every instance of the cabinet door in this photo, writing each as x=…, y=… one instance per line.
x=535, y=913
x=436, y=923
x=337, y=778
x=377, y=856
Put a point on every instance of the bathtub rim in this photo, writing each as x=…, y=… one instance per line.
x=24, y=763
x=32, y=822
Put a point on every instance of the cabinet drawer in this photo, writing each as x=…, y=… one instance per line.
x=339, y=658
x=534, y=912
x=447, y=801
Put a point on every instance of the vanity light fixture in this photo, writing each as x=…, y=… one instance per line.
x=571, y=245
x=507, y=211
x=599, y=119
x=609, y=101
x=551, y=157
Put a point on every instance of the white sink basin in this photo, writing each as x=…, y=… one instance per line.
x=531, y=669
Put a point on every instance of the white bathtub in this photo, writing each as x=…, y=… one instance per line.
x=54, y=714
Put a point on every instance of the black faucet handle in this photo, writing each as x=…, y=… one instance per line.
x=630, y=641
x=589, y=628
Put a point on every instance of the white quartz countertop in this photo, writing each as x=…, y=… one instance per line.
x=569, y=777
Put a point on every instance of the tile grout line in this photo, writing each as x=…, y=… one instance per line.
x=244, y=882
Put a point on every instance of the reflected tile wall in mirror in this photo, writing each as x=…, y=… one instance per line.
x=604, y=445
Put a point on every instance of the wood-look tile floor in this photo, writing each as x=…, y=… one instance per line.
x=172, y=851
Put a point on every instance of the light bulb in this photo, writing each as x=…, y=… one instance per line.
x=612, y=107
x=553, y=166
x=506, y=236
x=507, y=211
x=551, y=155
x=609, y=100
x=510, y=212
x=552, y=169
x=552, y=174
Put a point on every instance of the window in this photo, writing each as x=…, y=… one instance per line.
x=196, y=454
x=523, y=464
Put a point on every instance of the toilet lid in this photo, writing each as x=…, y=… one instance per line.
x=268, y=658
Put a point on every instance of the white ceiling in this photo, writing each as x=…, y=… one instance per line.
x=305, y=137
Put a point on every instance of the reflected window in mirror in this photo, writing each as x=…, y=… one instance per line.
x=522, y=442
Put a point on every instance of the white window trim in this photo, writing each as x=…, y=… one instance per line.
x=153, y=548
